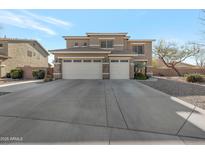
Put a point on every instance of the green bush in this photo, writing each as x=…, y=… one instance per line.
x=16, y=74
x=35, y=73
x=140, y=76
x=38, y=74
x=8, y=75
x=194, y=78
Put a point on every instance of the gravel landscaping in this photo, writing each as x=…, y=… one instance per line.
x=191, y=93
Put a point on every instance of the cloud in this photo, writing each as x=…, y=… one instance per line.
x=28, y=20
x=47, y=19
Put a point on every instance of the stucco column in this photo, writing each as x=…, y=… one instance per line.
x=106, y=69
x=57, y=72
x=132, y=70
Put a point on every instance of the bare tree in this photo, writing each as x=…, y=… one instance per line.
x=171, y=54
x=200, y=58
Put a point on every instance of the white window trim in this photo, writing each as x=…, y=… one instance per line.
x=106, y=44
x=94, y=45
x=118, y=45
x=109, y=38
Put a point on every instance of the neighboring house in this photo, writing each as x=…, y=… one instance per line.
x=21, y=53
x=101, y=56
x=160, y=69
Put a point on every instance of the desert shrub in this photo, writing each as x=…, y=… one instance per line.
x=48, y=78
x=194, y=78
x=16, y=74
x=38, y=74
x=140, y=76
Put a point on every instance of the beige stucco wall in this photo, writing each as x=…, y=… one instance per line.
x=95, y=40
x=19, y=58
x=147, y=51
x=120, y=43
x=71, y=42
x=4, y=49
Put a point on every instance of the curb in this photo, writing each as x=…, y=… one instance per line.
x=17, y=83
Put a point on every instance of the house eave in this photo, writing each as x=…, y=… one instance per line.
x=81, y=52
x=123, y=55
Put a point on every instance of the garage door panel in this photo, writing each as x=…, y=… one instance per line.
x=82, y=70
x=119, y=70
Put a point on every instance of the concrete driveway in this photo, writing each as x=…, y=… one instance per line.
x=97, y=112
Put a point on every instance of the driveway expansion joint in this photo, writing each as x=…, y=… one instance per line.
x=186, y=120
x=99, y=126
x=117, y=102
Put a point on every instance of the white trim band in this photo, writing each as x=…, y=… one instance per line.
x=82, y=57
x=123, y=55
x=82, y=52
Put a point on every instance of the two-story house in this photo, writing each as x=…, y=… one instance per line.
x=101, y=56
x=22, y=53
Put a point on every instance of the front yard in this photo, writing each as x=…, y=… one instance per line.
x=193, y=93
x=181, y=79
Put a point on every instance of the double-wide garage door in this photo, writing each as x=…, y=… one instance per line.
x=82, y=69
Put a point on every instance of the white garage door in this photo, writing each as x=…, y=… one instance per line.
x=119, y=69
x=82, y=69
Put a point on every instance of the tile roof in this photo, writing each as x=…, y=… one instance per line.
x=17, y=40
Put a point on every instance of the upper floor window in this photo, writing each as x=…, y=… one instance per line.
x=106, y=44
x=76, y=44
x=85, y=44
x=29, y=53
x=139, y=49
x=1, y=45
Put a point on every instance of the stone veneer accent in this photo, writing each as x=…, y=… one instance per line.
x=57, y=72
x=106, y=71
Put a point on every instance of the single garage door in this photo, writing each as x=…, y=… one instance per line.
x=82, y=69
x=119, y=69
